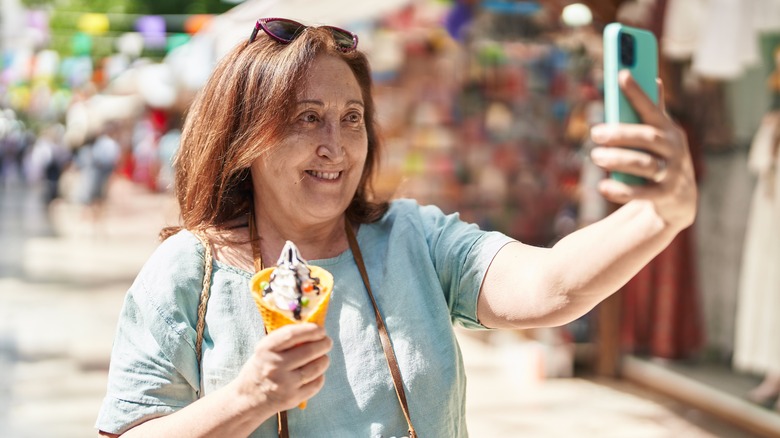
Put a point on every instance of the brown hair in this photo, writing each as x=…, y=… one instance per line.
x=239, y=115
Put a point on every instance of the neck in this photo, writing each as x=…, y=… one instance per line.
x=315, y=241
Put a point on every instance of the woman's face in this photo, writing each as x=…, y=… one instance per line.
x=312, y=174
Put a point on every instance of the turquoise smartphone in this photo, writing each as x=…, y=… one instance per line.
x=636, y=50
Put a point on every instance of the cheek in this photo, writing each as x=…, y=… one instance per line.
x=286, y=157
x=359, y=157
x=269, y=172
x=359, y=146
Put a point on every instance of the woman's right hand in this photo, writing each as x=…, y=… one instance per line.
x=287, y=367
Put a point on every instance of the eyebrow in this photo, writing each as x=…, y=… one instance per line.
x=321, y=103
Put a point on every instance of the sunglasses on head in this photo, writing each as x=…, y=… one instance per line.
x=284, y=31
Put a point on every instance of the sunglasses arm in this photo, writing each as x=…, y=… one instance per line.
x=254, y=32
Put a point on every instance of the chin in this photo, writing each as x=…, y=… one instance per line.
x=326, y=209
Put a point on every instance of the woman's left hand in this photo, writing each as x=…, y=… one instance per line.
x=658, y=152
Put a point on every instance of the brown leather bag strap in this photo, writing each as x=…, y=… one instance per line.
x=281, y=424
x=387, y=346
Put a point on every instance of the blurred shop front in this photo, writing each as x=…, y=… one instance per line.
x=492, y=121
x=485, y=108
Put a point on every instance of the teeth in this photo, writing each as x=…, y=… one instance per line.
x=325, y=175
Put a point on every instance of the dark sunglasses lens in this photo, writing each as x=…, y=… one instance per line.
x=343, y=39
x=283, y=29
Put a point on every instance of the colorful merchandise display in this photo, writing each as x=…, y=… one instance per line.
x=488, y=129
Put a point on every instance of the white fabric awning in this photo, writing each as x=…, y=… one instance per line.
x=235, y=25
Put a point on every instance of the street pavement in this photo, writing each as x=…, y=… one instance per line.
x=63, y=278
x=61, y=288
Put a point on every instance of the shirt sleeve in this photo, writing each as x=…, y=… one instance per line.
x=462, y=254
x=153, y=370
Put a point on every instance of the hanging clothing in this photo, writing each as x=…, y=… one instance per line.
x=682, y=28
x=720, y=36
x=756, y=348
x=660, y=307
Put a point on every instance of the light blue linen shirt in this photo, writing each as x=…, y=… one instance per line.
x=425, y=268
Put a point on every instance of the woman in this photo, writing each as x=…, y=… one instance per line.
x=283, y=137
x=755, y=349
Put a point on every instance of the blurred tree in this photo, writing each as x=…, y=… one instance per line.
x=122, y=15
x=158, y=7
x=183, y=6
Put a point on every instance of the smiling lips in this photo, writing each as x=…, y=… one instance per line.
x=324, y=175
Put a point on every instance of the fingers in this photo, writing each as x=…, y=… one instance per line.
x=311, y=377
x=628, y=135
x=647, y=149
x=312, y=370
x=311, y=389
x=295, y=345
x=288, y=365
x=291, y=335
x=629, y=161
x=656, y=134
x=650, y=112
x=303, y=354
x=621, y=193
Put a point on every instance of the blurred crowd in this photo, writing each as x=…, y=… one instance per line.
x=45, y=157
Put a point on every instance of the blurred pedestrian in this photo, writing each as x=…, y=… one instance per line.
x=47, y=160
x=96, y=161
x=13, y=144
x=166, y=151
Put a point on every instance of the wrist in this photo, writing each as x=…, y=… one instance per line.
x=247, y=403
x=651, y=221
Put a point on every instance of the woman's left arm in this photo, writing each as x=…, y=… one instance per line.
x=529, y=286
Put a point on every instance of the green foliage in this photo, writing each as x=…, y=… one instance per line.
x=185, y=6
x=157, y=7
x=122, y=15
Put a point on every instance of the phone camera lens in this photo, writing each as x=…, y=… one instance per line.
x=627, y=50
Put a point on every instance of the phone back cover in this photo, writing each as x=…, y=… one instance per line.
x=645, y=70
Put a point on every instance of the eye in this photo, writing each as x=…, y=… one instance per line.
x=309, y=117
x=354, y=118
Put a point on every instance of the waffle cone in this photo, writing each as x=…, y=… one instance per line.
x=273, y=317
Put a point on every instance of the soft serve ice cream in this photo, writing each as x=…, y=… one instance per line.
x=291, y=292
x=291, y=287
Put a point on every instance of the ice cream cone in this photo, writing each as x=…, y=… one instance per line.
x=273, y=317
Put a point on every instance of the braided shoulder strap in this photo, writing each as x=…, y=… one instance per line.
x=204, y=295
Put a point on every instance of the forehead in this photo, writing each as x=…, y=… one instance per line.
x=330, y=76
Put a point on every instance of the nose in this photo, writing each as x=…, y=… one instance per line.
x=332, y=152
x=331, y=147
